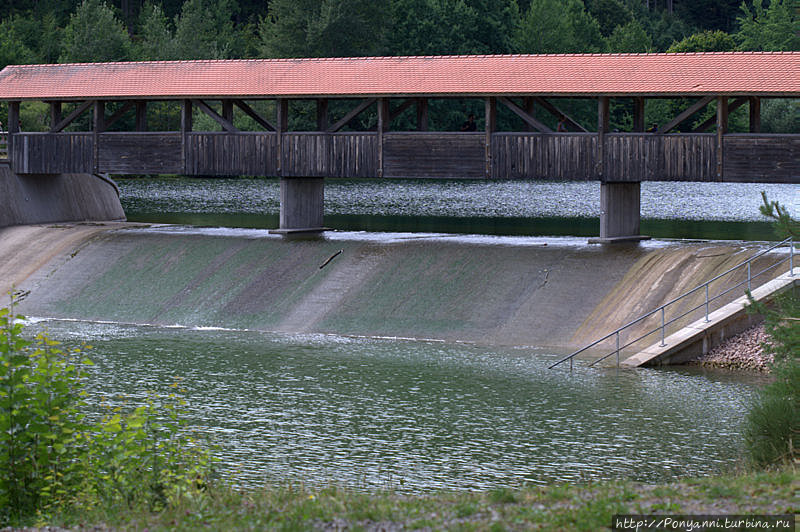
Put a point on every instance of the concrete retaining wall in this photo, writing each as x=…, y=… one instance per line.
x=33, y=199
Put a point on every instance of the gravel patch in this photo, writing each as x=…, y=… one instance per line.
x=744, y=351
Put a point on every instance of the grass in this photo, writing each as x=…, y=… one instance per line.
x=587, y=506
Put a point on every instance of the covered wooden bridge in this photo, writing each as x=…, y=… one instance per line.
x=89, y=102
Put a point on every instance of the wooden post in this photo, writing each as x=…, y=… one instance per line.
x=722, y=128
x=490, y=107
x=98, y=127
x=13, y=128
x=638, y=115
x=281, y=125
x=322, y=114
x=602, y=129
x=186, y=128
x=55, y=113
x=529, y=106
x=755, y=114
x=141, y=115
x=227, y=110
x=383, y=125
x=422, y=114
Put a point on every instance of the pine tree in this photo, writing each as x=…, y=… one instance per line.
x=94, y=34
x=772, y=429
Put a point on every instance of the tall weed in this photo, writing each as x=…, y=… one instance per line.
x=53, y=459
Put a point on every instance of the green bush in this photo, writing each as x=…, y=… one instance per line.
x=53, y=460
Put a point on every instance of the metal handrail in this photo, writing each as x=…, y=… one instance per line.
x=662, y=309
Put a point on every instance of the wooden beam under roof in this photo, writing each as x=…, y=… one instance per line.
x=226, y=124
x=72, y=116
x=558, y=113
x=528, y=119
x=249, y=111
x=713, y=119
x=692, y=109
x=351, y=115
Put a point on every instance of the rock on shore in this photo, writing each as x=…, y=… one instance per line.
x=743, y=351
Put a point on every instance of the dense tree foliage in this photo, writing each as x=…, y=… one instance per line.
x=706, y=41
x=94, y=33
x=45, y=31
x=559, y=26
x=327, y=28
x=773, y=28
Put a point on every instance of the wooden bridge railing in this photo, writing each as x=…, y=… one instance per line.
x=557, y=156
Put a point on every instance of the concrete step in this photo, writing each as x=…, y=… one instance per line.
x=698, y=338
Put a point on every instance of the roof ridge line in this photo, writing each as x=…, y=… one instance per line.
x=401, y=57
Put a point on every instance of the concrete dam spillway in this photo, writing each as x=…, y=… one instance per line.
x=547, y=292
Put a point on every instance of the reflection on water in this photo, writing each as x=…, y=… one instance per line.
x=669, y=210
x=420, y=415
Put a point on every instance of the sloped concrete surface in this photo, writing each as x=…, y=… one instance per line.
x=699, y=337
x=506, y=291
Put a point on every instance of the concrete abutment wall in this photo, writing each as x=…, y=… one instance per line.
x=47, y=198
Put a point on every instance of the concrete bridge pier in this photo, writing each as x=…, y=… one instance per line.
x=302, y=205
x=620, y=204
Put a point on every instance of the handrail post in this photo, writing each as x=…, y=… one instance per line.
x=617, y=348
x=706, y=302
x=662, y=327
x=748, y=277
x=791, y=257
x=570, y=363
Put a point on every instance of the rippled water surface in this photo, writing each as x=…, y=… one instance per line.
x=453, y=198
x=669, y=210
x=417, y=416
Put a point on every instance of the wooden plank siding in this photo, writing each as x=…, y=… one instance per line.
x=748, y=157
x=231, y=154
x=353, y=155
x=52, y=153
x=763, y=157
x=558, y=156
x=647, y=157
x=434, y=154
x=330, y=154
x=306, y=155
x=139, y=153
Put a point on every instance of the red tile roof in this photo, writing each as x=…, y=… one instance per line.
x=734, y=73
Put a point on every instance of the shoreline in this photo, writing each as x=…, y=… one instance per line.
x=556, y=507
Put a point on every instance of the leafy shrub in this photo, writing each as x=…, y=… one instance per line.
x=52, y=458
x=39, y=419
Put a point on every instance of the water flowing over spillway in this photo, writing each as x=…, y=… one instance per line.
x=489, y=290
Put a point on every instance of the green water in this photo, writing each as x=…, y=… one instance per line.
x=419, y=416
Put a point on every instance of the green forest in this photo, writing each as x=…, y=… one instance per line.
x=66, y=31
x=60, y=31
